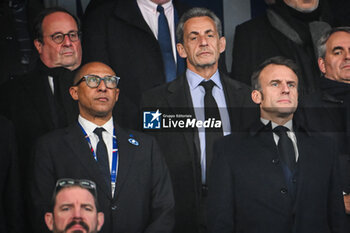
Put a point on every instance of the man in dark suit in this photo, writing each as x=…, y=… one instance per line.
x=328, y=110
x=133, y=181
x=39, y=101
x=124, y=34
x=290, y=28
x=188, y=151
x=276, y=177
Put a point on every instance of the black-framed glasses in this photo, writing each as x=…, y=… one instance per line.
x=68, y=182
x=93, y=81
x=58, y=37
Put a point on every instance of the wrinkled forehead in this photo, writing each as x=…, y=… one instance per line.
x=74, y=194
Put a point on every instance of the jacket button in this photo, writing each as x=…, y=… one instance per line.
x=275, y=161
x=284, y=191
x=114, y=207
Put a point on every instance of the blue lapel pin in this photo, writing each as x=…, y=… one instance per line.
x=133, y=141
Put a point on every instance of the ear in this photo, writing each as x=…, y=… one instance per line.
x=222, y=44
x=38, y=45
x=256, y=96
x=74, y=92
x=181, y=50
x=117, y=94
x=322, y=65
x=100, y=220
x=49, y=220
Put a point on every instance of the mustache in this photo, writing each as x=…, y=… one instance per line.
x=74, y=222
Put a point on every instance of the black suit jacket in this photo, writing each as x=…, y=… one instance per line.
x=28, y=106
x=257, y=40
x=117, y=34
x=11, y=202
x=143, y=200
x=248, y=190
x=181, y=148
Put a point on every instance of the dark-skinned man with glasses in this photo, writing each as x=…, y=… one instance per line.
x=133, y=182
x=74, y=207
x=39, y=101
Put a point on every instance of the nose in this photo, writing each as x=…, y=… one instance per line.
x=285, y=88
x=347, y=54
x=102, y=86
x=203, y=41
x=77, y=212
x=67, y=41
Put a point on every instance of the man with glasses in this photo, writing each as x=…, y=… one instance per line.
x=134, y=186
x=39, y=101
x=74, y=207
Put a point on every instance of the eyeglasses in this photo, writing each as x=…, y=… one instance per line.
x=58, y=37
x=68, y=182
x=93, y=81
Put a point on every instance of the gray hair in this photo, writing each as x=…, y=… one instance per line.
x=321, y=45
x=196, y=12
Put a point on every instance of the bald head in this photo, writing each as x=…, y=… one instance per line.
x=92, y=68
x=95, y=102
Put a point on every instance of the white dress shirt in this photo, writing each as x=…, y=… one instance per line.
x=290, y=134
x=150, y=15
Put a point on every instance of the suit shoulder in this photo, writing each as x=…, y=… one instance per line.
x=253, y=24
x=236, y=84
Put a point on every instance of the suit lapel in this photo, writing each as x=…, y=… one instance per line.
x=129, y=12
x=126, y=153
x=180, y=98
x=77, y=142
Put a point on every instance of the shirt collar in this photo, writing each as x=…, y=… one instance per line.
x=195, y=79
x=89, y=127
x=152, y=7
x=288, y=124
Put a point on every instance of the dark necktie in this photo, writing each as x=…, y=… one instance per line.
x=164, y=41
x=285, y=147
x=102, y=155
x=211, y=111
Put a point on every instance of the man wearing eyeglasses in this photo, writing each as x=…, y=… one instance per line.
x=39, y=101
x=74, y=207
x=135, y=191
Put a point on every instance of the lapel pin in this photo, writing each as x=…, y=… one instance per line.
x=133, y=141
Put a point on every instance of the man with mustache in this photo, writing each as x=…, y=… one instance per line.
x=202, y=93
x=134, y=185
x=74, y=208
x=278, y=176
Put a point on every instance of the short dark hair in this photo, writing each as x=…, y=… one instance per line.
x=278, y=60
x=321, y=45
x=38, y=21
x=196, y=12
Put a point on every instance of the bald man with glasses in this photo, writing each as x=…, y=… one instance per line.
x=133, y=182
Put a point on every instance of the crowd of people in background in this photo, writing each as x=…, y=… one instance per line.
x=78, y=77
